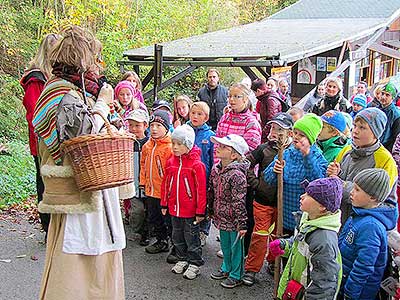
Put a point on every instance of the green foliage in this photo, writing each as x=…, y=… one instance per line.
x=12, y=121
x=17, y=179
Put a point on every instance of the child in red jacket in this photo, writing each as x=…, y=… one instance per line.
x=183, y=193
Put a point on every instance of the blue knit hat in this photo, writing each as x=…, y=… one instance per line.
x=375, y=118
x=361, y=100
x=335, y=119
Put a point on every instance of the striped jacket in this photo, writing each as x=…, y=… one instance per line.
x=244, y=124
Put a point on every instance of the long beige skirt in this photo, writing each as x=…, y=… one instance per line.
x=79, y=277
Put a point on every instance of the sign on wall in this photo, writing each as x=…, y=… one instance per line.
x=306, y=71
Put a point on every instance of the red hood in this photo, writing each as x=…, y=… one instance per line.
x=31, y=76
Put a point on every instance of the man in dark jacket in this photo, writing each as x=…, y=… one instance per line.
x=215, y=95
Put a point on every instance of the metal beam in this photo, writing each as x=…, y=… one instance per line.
x=263, y=72
x=249, y=72
x=170, y=81
x=207, y=63
x=158, y=67
x=148, y=78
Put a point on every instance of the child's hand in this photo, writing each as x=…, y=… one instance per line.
x=333, y=169
x=199, y=219
x=278, y=167
x=164, y=211
x=242, y=232
x=275, y=248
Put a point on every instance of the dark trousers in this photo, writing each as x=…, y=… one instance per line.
x=44, y=218
x=138, y=216
x=186, y=239
x=156, y=221
x=249, y=223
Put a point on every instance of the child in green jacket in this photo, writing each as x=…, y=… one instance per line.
x=331, y=138
x=314, y=257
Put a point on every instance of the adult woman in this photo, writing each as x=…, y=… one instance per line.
x=333, y=98
x=318, y=94
x=33, y=82
x=86, y=235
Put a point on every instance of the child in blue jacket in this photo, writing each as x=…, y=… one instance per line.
x=198, y=116
x=302, y=160
x=363, y=239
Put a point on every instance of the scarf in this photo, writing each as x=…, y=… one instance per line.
x=45, y=115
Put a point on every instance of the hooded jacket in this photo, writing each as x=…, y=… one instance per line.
x=363, y=244
x=264, y=193
x=33, y=84
x=353, y=160
x=202, y=140
x=155, y=154
x=226, y=196
x=297, y=168
x=314, y=257
x=392, y=128
x=244, y=124
x=331, y=147
x=183, y=189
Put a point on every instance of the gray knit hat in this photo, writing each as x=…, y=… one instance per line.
x=375, y=182
x=185, y=134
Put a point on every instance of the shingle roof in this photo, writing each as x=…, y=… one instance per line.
x=306, y=28
x=338, y=9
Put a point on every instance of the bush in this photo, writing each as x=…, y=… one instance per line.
x=17, y=180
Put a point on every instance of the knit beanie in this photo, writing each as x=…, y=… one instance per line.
x=391, y=89
x=360, y=100
x=335, y=119
x=310, y=124
x=375, y=118
x=326, y=191
x=184, y=134
x=123, y=85
x=375, y=182
x=162, y=117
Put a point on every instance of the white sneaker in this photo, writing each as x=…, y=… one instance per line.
x=220, y=254
x=180, y=267
x=203, y=239
x=191, y=272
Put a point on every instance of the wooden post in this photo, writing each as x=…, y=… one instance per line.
x=279, y=223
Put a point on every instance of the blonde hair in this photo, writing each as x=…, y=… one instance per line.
x=335, y=80
x=41, y=60
x=78, y=48
x=135, y=76
x=184, y=98
x=377, y=90
x=203, y=106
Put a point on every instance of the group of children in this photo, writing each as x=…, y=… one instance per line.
x=344, y=189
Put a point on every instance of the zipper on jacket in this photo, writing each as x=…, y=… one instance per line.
x=151, y=169
x=188, y=191
x=170, y=186
x=177, y=186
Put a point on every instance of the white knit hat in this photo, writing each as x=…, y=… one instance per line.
x=185, y=134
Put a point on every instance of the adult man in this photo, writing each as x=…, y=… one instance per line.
x=283, y=91
x=215, y=95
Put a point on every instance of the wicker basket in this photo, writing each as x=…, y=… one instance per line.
x=101, y=161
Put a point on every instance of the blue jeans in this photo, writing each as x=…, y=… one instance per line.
x=186, y=239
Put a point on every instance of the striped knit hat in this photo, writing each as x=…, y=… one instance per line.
x=375, y=182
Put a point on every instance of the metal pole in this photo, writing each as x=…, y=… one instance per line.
x=158, y=65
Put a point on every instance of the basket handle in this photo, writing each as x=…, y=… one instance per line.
x=108, y=126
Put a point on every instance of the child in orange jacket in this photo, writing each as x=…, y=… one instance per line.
x=155, y=154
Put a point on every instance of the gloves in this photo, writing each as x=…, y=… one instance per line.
x=275, y=248
x=397, y=296
x=106, y=93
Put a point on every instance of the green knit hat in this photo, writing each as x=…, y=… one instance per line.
x=311, y=125
x=391, y=89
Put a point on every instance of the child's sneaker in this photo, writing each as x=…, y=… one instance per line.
x=218, y=275
x=203, y=239
x=180, y=267
x=249, y=278
x=157, y=247
x=231, y=283
x=191, y=272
